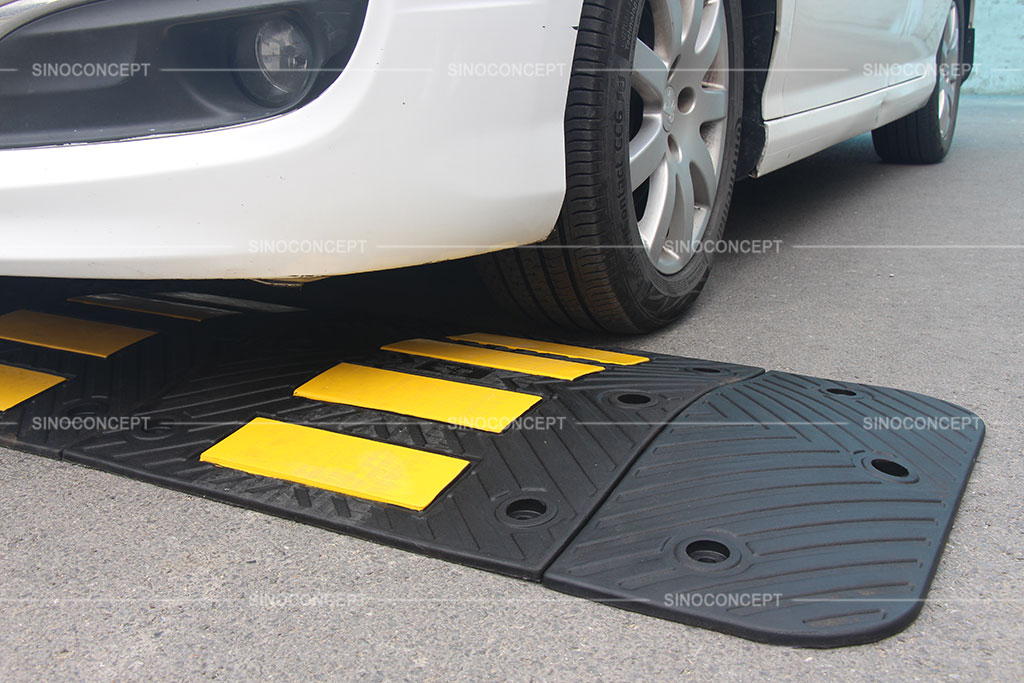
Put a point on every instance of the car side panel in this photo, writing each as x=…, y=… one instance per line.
x=919, y=40
x=830, y=50
x=830, y=81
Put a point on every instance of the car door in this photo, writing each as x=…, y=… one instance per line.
x=914, y=53
x=834, y=50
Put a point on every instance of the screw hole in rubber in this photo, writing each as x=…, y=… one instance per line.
x=890, y=468
x=887, y=467
x=634, y=400
x=708, y=552
x=88, y=409
x=526, y=511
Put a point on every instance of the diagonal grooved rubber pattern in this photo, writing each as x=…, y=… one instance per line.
x=569, y=466
x=772, y=506
x=784, y=509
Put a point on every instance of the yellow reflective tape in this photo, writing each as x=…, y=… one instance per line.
x=597, y=355
x=337, y=462
x=465, y=405
x=141, y=304
x=501, y=360
x=18, y=384
x=68, y=334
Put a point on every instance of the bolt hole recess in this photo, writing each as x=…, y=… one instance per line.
x=157, y=428
x=707, y=371
x=634, y=399
x=87, y=409
x=890, y=468
x=526, y=509
x=841, y=392
x=708, y=552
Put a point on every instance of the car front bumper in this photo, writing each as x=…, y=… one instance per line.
x=442, y=138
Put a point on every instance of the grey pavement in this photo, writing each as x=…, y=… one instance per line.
x=895, y=275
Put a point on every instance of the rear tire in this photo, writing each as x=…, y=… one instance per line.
x=925, y=136
x=602, y=268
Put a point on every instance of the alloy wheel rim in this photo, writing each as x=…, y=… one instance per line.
x=680, y=80
x=949, y=63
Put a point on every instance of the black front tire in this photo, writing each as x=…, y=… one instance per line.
x=592, y=272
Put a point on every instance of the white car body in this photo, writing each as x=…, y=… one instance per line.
x=442, y=138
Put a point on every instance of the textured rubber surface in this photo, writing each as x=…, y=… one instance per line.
x=568, y=469
x=687, y=489
x=97, y=388
x=785, y=509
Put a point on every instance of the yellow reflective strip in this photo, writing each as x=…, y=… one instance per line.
x=68, y=334
x=140, y=304
x=597, y=355
x=502, y=360
x=337, y=462
x=18, y=384
x=465, y=405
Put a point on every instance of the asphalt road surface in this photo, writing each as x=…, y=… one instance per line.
x=902, y=276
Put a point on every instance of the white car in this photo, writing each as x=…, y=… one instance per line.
x=274, y=139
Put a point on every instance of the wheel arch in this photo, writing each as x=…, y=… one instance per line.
x=968, y=64
x=759, y=29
